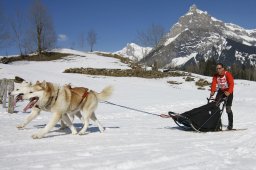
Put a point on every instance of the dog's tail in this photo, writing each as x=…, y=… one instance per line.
x=105, y=93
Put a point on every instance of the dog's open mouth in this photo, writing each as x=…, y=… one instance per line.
x=18, y=98
x=32, y=102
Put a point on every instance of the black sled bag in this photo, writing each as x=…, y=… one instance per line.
x=205, y=118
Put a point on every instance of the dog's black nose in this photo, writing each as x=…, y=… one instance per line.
x=9, y=93
x=21, y=94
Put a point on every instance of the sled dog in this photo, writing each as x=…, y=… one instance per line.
x=20, y=88
x=63, y=100
x=23, y=88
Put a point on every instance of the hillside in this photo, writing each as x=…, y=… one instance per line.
x=132, y=140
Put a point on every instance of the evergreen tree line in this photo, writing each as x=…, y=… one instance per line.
x=208, y=68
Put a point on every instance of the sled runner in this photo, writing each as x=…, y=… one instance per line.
x=202, y=119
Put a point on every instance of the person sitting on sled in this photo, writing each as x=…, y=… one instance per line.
x=225, y=83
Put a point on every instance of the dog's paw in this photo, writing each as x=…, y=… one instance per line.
x=62, y=128
x=37, y=136
x=83, y=133
x=102, y=129
x=74, y=133
x=20, y=126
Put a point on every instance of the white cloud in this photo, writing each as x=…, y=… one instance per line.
x=62, y=37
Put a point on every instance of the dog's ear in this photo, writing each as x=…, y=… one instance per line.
x=44, y=84
x=26, y=84
x=37, y=82
x=23, y=83
x=68, y=85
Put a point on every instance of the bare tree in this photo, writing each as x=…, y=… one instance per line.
x=150, y=37
x=28, y=43
x=91, y=39
x=42, y=30
x=73, y=45
x=81, y=40
x=4, y=34
x=17, y=26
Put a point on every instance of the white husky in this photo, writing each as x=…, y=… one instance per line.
x=62, y=101
x=23, y=88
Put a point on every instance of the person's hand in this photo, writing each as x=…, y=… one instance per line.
x=226, y=93
x=212, y=93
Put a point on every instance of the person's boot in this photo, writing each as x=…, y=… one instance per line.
x=230, y=121
x=230, y=126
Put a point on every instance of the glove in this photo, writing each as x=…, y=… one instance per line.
x=226, y=93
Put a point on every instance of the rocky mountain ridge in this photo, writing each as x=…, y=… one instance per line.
x=198, y=36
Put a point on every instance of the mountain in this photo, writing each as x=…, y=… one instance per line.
x=198, y=36
x=134, y=51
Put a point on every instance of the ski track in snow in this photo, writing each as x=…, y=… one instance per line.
x=132, y=140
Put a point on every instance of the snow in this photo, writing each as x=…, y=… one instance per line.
x=245, y=36
x=132, y=140
x=234, y=27
x=200, y=11
x=169, y=40
x=134, y=51
x=246, y=43
x=10, y=56
x=215, y=19
x=182, y=60
x=242, y=56
x=76, y=59
x=189, y=13
x=239, y=56
x=251, y=31
x=194, y=9
x=70, y=51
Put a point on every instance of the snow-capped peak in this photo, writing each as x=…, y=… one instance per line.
x=197, y=32
x=193, y=9
x=134, y=51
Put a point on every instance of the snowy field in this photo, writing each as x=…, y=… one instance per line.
x=132, y=140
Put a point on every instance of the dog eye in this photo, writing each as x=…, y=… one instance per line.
x=17, y=89
x=31, y=92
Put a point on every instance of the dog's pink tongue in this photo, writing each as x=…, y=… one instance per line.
x=14, y=103
x=17, y=99
x=29, y=105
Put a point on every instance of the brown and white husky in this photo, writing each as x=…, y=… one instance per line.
x=63, y=101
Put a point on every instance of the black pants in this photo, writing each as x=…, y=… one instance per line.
x=220, y=95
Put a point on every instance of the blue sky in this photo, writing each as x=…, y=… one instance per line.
x=117, y=22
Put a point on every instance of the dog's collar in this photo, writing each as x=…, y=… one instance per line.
x=49, y=102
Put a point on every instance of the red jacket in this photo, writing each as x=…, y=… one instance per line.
x=224, y=82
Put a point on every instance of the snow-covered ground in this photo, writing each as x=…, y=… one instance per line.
x=132, y=140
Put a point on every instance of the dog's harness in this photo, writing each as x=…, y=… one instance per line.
x=49, y=102
x=86, y=93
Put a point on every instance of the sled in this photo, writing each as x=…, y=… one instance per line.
x=206, y=118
